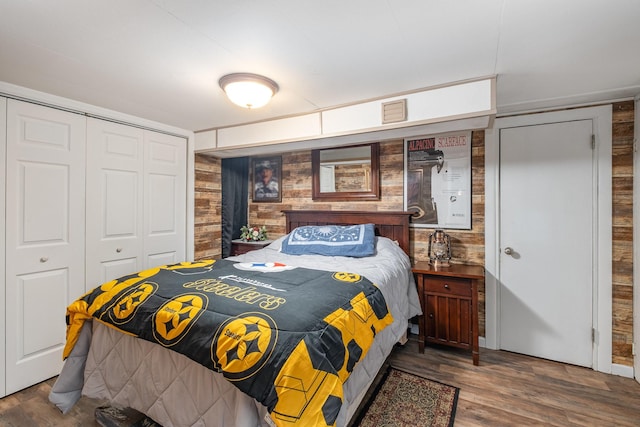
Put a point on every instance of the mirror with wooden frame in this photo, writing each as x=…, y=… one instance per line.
x=346, y=173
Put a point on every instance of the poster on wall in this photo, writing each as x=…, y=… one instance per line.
x=437, y=181
x=266, y=179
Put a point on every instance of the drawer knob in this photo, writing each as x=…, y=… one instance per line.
x=431, y=316
x=119, y=250
x=44, y=259
x=446, y=286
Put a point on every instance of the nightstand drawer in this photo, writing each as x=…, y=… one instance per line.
x=448, y=285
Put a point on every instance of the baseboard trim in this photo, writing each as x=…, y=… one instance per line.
x=622, y=370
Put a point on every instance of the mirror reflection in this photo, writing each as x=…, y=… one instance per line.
x=346, y=173
x=345, y=169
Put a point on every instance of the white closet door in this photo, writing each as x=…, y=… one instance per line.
x=45, y=184
x=547, y=198
x=3, y=150
x=136, y=200
x=115, y=161
x=165, y=199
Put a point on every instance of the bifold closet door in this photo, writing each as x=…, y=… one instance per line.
x=115, y=185
x=45, y=219
x=136, y=200
x=165, y=196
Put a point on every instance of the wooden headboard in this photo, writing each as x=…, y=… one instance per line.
x=393, y=225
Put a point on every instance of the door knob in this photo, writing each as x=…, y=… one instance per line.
x=508, y=251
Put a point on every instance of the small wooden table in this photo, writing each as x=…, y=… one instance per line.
x=239, y=246
x=449, y=301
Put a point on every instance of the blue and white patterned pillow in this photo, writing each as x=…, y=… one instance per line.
x=333, y=240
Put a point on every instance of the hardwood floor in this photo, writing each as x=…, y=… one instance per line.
x=507, y=389
x=31, y=408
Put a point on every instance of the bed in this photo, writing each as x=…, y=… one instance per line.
x=174, y=390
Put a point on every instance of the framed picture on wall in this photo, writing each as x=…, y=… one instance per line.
x=267, y=172
x=437, y=181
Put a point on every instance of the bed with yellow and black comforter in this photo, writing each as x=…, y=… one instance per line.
x=287, y=336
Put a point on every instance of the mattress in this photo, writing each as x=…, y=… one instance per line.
x=175, y=391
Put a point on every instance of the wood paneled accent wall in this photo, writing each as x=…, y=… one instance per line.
x=622, y=265
x=208, y=207
x=467, y=245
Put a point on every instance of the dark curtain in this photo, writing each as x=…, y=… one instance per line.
x=235, y=193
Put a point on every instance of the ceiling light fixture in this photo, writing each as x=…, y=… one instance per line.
x=248, y=90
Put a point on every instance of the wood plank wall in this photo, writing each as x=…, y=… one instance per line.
x=208, y=207
x=467, y=245
x=622, y=265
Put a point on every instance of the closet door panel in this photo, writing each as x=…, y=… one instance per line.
x=165, y=199
x=163, y=258
x=120, y=192
x=39, y=327
x=118, y=268
x=115, y=159
x=45, y=185
x=42, y=209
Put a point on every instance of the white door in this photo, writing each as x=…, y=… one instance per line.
x=45, y=179
x=165, y=196
x=547, y=241
x=115, y=203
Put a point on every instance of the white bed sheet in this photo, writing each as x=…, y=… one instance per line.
x=175, y=391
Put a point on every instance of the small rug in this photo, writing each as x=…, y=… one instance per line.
x=404, y=399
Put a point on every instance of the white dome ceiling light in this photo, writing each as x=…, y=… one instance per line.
x=248, y=90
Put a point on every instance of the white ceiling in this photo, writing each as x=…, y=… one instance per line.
x=161, y=59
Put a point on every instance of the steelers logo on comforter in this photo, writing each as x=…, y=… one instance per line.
x=243, y=345
x=174, y=318
x=344, y=276
x=126, y=307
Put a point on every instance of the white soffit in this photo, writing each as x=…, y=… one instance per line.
x=444, y=103
x=470, y=104
x=287, y=129
x=481, y=122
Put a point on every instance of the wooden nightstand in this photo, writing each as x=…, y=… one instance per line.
x=239, y=247
x=449, y=301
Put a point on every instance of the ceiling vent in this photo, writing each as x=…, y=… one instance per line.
x=394, y=111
